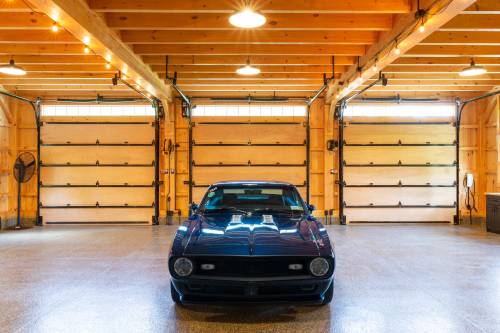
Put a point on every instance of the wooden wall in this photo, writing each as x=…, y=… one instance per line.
x=17, y=135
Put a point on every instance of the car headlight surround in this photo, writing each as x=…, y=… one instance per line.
x=183, y=267
x=319, y=267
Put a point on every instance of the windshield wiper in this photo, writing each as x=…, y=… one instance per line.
x=233, y=209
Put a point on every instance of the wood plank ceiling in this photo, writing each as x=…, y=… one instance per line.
x=293, y=49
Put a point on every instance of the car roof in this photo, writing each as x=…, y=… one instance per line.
x=252, y=182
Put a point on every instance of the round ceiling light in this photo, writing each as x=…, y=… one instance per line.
x=248, y=70
x=12, y=69
x=473, y=70
x=247, y=19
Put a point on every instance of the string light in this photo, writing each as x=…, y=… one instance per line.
x=397, y=50
x=108, y=65
x=55, y=27
x=422, y=26
x=86, y=40
x=86, y=50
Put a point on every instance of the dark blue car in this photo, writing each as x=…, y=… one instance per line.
x=252, y=242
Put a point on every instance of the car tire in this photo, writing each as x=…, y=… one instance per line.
x=328, y=297
x=176, y=297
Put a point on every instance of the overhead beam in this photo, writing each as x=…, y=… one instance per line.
x=234, y=60
x=266, y=6
x=247, y=37
x=406, y=28
x=81, y=21
x=183, y=21
x=268, y=49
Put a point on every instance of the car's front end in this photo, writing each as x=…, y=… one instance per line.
x=256, y=257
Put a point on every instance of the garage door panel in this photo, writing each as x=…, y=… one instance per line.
x=90, y=154
x=399, y=214
x=237, y=133
x=210, y=175
x=85, y=133
x=255, y=154
x=407, y=175
x=394, y=133
x=97, y=215
x=105, y=196
x=90, y=175
x=407, y=196
x=407, y=155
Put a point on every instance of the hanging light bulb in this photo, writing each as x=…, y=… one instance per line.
x=397, y=50
x=247, y=18
x=473, y=70
x=86, y=40
x=248, y=69
x=55, y=27
x=86, y=50
x=12, y=69
x=422, y=26
x=108, y=65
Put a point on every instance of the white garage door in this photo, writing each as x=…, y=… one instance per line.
x=397, y=168
x=97, y=170
x=271, y=146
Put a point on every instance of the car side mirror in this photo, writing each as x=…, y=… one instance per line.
x=311, y=208
x=193, y=207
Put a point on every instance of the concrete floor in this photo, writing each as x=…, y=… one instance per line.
x=391, y=278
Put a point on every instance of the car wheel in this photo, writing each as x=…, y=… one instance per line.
x=176, y=297
x=328, y=294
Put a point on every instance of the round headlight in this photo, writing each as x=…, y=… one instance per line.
x=183, y=267
x=319, y=266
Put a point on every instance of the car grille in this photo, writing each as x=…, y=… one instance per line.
x=251, y=267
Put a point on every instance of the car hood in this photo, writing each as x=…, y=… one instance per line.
x=251, y=235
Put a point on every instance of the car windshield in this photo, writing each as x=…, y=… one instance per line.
x=251, y=198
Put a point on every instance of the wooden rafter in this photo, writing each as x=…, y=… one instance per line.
x=81, y=21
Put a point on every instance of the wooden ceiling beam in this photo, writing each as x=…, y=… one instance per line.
x=266, y=6
x=56, y=59
x=484, y=7
x=247, y=37
x=264, y=69
x=182, y=21
x=480, y=22
x=436, y=61
x=440, y=11
x=24, y=20
x=82, y=22
x=234, y=60
x=463, y=38
x=455, y=51
x=36, y=36
x=433, y=69
x=270, y=49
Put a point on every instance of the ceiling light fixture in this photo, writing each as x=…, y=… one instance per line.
x=472, y=70
x=55, y=27
x=86, y=50
x=86, y=40
x=248, y=69
x=247, y=18
x=108, y=65
x=12, y=69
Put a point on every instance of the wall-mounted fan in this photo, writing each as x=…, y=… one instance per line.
x=24, y=169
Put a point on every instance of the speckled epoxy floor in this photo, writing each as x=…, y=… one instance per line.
x=390, y=278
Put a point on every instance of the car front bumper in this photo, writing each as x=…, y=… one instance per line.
x=260, y=290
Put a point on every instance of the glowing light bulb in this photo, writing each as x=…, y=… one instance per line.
x=55, y=27
x=86, y=50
